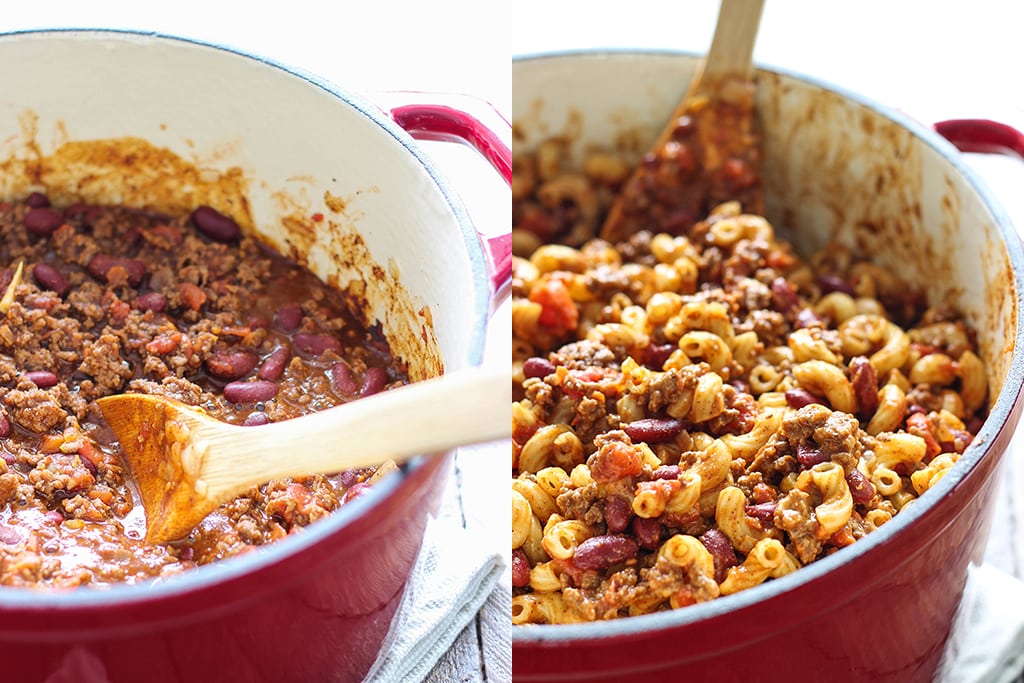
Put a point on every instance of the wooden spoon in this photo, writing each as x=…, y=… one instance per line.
x=186, y=463
x=709, y=151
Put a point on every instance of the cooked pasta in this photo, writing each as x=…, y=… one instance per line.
x=696, y=414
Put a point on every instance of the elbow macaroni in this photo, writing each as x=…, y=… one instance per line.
x=699, y=352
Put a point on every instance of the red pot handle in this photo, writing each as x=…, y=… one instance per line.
x=446, y=123
x=982, y=135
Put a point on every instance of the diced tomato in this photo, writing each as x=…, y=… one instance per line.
x=615, y=460
x=559, y=314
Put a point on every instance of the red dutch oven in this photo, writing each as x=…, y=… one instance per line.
x=837, y=166
x=316, y=605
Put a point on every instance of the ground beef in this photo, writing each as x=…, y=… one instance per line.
x=117, y=299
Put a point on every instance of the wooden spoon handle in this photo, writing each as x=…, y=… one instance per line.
x=460, y=408
x=732, y=47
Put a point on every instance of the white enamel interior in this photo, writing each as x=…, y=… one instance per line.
x=287, y=133
x=834, y=167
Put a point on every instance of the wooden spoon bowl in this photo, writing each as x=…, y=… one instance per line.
x=709, y=152
x=187, y=463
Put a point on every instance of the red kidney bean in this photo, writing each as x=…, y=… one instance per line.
x=44, y=379
x=809, y=455
x=520, y=568
x=601, y=552
x=861, y=489
x=865, y=386
x=647, y=532
x=10, y=535
x=256, y=419
x=215, y=225
x=231, y=365
x=250, y=392
x=720, y=547
x=784, y=296
x=356, y=490
x=374, y=379
x=100, y=265
x=834, y=283
x=275, y=363
x=798, y=398
x=5, y=425
x=288, y=317
x=762, y=512
x=342, y=380
x=85, y=213
x=315, y=344
x=655, y=355
x=43, y=221
x=48, y=277
x=654, y=429
x=150, y=301
x=37, y=200
x=617, y=514
x=666, y=472
x=54, y=517
x=538, y=367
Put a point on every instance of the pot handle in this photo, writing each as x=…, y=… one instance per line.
x=445, y=121
x=982, y=135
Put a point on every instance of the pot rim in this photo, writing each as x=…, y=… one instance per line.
x=1002, y=416
x=233, y=568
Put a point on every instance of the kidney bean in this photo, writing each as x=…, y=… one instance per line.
x=865, y=386
x=342, y=380
x=48, y=277
x=84, y=213
x=274, y=364
x=798, y=398
x=44, y=379
x=861, y=489
x=54, y=517
x=617, y=514
x=215, y=225
x=762, y=512
x=10, y=535
x=101, y=265
x=666, y=472
x=720, y=547
x=356, y=490
x=250, y=392
x=601, y=552
x=809, y=455
x=784, y=296
x=288, y=317
x=520, y=568
x=647, y=532
x=150, y=301
x=655, y=355
x=834, y=283
x=43, y=221
x=654, y=429
x=315, y=344
x=256, y=419
x=538, y=367
x=37, y=200
x=373, y=381
x=231, y=365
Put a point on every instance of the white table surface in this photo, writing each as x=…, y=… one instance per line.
x=445, y=46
